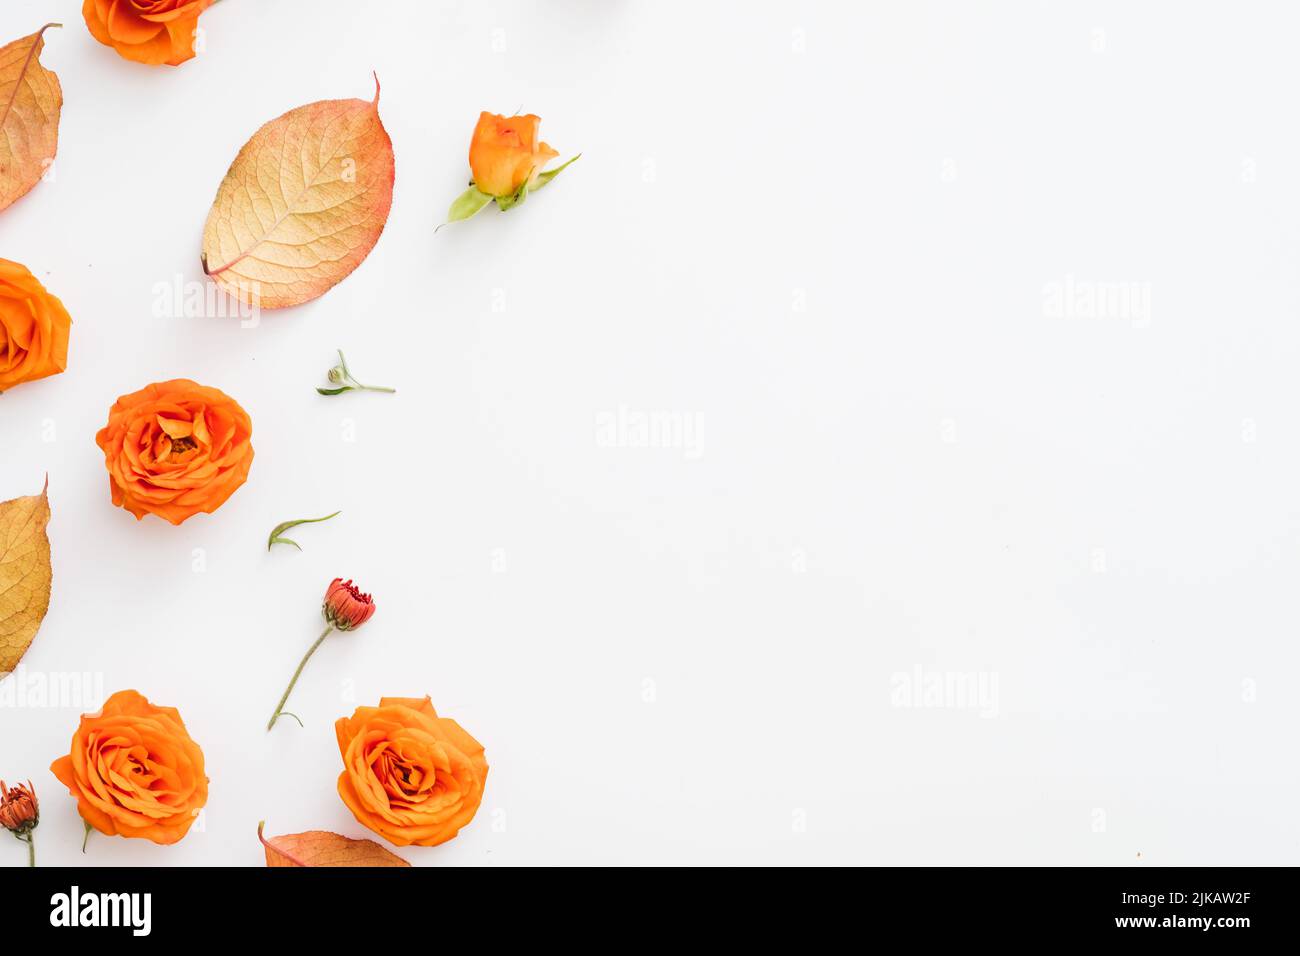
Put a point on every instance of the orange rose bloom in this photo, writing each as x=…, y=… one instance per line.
x=408, y=774
x=505, y=152
x=134, y=770
x=34, y=328
x=174, y=449
x=146, y=31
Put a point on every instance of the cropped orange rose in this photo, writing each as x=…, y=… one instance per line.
x=175, y=449
x=409, y=775
x=146, y=31
x=34, y=328
x=505, y=152
x=134, y=770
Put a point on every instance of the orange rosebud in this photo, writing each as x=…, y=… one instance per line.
x=345, y=606
x=505, y=153
x=409, y=775
x=34, y=328
x=146, y=31
x=134, y=770
x=19, y=810
x=175, y=449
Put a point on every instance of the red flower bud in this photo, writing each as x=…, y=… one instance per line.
x=345, y=606
x=19, y=810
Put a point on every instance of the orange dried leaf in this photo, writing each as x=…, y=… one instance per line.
x=302, y=205
x=322, y=848
x=30, y=101
x=24, y=574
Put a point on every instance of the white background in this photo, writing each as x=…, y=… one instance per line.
x=825, y=235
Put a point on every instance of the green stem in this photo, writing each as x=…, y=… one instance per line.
x=31, y=847
x=279, y=708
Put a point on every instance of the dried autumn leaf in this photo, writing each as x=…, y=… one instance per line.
x=24, y=574
x=302, y=205
x=322, y=848
x=30, y=100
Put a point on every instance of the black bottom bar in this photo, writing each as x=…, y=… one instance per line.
x=1227, y=906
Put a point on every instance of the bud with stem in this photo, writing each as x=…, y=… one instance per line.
x=340, y=376
x=345, y=608
x=19, y=814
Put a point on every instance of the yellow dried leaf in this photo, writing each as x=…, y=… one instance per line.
x=24, y=574
x=322, y=848
x=302, y=205
x=30, y=100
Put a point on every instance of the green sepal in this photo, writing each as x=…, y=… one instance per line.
x=546, y=177
x=515, y=198
x=467, y=204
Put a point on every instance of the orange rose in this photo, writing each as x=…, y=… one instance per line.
x=505, y=153
x=34, y=328
x=174, y=449
x=408, y=774
x=146, y=31
x=134, y=770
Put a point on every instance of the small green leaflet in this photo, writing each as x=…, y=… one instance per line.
x=286, y=525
